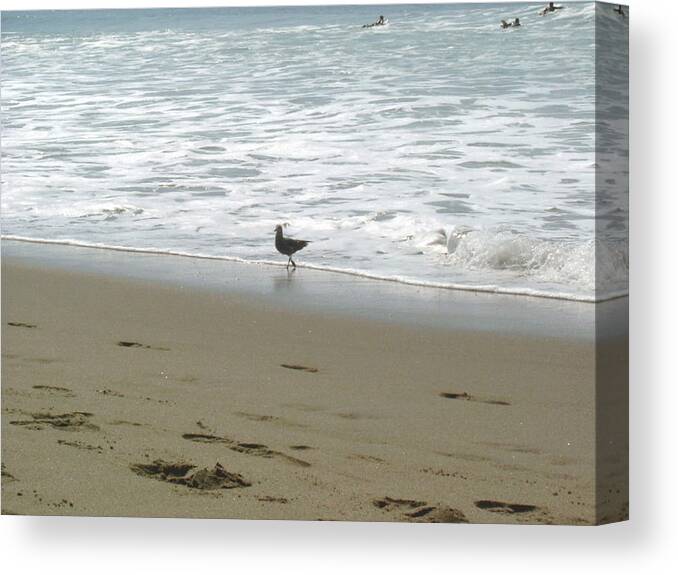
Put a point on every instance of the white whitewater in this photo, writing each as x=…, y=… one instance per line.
x=437, y=151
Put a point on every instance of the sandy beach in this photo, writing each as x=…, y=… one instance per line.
x=140, y=397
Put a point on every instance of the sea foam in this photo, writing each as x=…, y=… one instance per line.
x=430, y=152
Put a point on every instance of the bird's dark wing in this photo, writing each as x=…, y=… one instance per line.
x=298, y=244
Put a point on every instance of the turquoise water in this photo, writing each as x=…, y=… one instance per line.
x=438, y=150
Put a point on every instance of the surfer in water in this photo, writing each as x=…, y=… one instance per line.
x=514, y=24
x=380, y=22
x=620, y=10
x=550, y=8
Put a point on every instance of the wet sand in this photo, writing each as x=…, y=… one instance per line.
x=134, y=397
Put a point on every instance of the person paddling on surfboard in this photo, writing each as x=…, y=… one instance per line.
x=380, y=22
x=514, y=24
x=550, y=8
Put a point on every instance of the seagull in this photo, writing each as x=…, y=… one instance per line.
x=288, y=246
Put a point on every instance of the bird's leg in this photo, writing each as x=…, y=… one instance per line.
x=293, y=264
x=288, y=263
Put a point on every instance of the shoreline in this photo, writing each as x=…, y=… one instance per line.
x=489, y=289
x=318, y=291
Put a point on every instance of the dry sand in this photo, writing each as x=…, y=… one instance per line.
x=134, y=398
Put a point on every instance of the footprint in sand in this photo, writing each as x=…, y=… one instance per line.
x=21, y=324
x=466, y=397
x=255, y=449
x=442, y=473
x=271, y=499
x=205, y=438
x=141, y=345
x=256, y=416
x=502, y=507
x=181, y=474
x=369, y=458
x=299, y=367
x=420, y=511
x=269, y=419
x=511, y=447
x=64, y=391
x=125, y=422
x=6, y=475
x=392, y=504
x=80, y=445
x=355, y=416
x=259, y=450
x=64, y=421
x=110, y=392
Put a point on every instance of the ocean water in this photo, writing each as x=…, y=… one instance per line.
x=438, y=150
